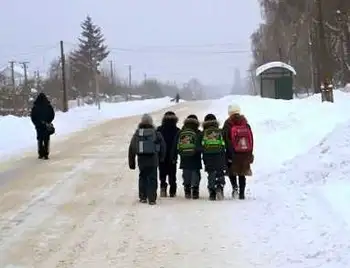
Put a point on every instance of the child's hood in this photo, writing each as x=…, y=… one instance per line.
x=191, y=123
x=210, y=123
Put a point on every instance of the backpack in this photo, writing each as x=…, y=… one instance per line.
x=146, y=141
x=242, y=138
x=213, y=141
x=187, y=142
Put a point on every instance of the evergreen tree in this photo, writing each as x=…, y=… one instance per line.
x=89, y=55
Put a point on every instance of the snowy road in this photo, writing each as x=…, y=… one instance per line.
x=80, y=209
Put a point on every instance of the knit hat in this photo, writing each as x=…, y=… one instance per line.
x=192, y=116
x=169, y=113
x=147, y=119
x=233, y=109
x=210, y=117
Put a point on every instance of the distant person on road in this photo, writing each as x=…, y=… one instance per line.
x=214, y=157
x=169, y=131
x=177, y=97
x=239, y=149
x=149, y=147
x=189, y=148
x=42, y=115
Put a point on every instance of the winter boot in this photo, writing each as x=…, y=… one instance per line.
x=143, y=201
x=234, y=192
x=172, y=191
x=195, y=193
x=152, y=203
x=163, y=192
x=219, y=193
x=187, y=192
x=242, y=185
x=212, y=195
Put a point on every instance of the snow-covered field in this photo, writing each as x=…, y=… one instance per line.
x=19, y=133
x=296, y=214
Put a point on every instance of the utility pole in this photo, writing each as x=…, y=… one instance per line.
x=97, y=86
x=325, y=72
x=130, y=76
x=64, y=83
x=12, y=66
x=111, y=71
x=144, y=77
x=97, y=82
x=25, y=69
x=130, y=93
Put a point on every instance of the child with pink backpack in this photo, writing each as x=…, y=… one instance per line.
x=239, y=149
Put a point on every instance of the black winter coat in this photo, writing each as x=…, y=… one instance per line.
x=41, y=114
x=190, y=162
x=145, y=161
x=169, y=131
x=213, y=162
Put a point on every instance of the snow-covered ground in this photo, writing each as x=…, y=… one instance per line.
x=298, y=211
x=295, y=215
x=19, y=134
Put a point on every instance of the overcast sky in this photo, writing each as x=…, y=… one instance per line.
x=183, y=29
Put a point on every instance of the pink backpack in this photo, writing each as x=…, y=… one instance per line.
x=242, y=138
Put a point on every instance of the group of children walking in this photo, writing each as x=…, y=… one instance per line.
x=224, y=151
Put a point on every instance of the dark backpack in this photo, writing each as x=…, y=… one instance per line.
x=213, y=141
x=187, y=142
x=146, y=141
x=242, y=138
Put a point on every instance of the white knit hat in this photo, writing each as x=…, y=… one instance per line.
x=233, y=109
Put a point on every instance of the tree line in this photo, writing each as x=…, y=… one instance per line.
x=313, y=36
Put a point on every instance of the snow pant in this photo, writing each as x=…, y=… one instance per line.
x=148, y=184
x=43, y=146
x=192, y=179
x=215, y=179
x=168, y=170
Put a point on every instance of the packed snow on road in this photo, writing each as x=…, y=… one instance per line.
x=80, y=209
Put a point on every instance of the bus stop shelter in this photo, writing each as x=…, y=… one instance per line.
x=276, y=80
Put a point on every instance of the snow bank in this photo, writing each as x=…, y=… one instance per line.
x=287, y=128
x=304, y=207
x=18, y=134
x=325, y=167
x=297, y=215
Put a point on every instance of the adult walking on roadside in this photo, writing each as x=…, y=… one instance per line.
x=42, y=115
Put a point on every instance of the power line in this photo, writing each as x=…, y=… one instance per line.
x=36, y=53
x=191, y=46
x=157, y=49
x=179, y=52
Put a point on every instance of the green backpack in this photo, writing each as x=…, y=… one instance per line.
x=213, y=141
x=187, y=142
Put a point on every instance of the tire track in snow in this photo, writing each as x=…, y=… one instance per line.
x=63, y=239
